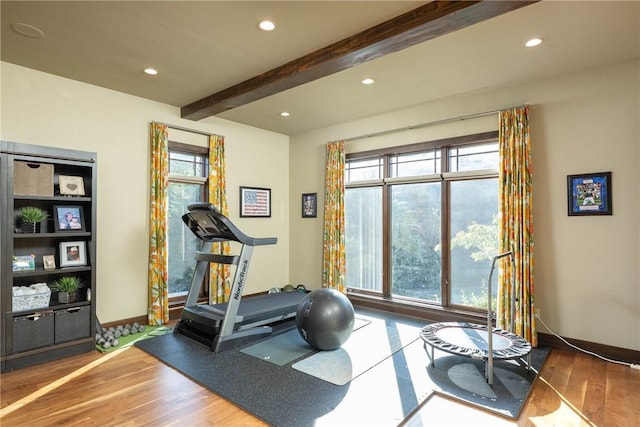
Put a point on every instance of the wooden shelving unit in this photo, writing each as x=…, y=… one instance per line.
x=38, y=334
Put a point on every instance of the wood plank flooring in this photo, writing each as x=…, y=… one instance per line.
x=131, y=388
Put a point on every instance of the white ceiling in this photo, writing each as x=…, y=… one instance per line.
x=200, y=48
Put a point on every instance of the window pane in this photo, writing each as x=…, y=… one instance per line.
x=362, y=170
x=182, y=242
x=363, y=207
x=187, y=164
x=474, y=240
x=473, y=157
x=415, y=164
x=415, y=241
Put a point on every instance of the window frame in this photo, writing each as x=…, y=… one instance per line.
x=177, y=300
x=444, y=310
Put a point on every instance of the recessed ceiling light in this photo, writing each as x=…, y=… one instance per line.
x=267, y=25
x=150, y=71
x=285, y=114
x=27, y=30
x=533, y=42
x=368, y=81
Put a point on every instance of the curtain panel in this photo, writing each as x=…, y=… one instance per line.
x=333, y=255
x=219, y=274
x=516, y=225
x=158, y=307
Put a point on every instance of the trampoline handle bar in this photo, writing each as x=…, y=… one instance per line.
x=489, y=368
x=502, y=255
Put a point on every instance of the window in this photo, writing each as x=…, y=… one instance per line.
x=188, y=171
x=421, y=221
x=363, y=243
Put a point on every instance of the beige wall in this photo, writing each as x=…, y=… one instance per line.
x=587, y=281
x=43, y=109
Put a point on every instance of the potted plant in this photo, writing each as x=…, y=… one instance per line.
x=31, y=215
x=67, y=288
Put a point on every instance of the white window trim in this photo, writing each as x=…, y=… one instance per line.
x=365, y=183
x=480, y=173
x=187, y=179
x=436, y=177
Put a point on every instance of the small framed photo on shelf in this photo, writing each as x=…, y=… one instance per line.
x=73, y=254
x=24, y=263
x=310, y=205
x=71, y=185
x=255, y=202
x=589, y=194
x=68, y=218
x=49, y=262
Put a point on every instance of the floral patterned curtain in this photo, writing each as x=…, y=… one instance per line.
x=516, y=227
x=333, y=256
x=220, y=286
x=158, y=311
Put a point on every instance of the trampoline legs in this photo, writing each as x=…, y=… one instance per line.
x=429, y=355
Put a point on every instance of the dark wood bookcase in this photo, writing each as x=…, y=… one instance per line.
x=38, y=332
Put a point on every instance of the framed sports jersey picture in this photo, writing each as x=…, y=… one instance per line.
x=589, y=194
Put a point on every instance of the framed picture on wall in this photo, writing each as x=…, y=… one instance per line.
x=589, y=194
x=310, y=205
x=255, y=202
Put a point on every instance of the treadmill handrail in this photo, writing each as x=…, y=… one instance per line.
x=204, y=220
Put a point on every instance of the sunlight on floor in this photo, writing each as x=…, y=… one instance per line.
x=566, y=414
x=58, y=383
x=441, y=411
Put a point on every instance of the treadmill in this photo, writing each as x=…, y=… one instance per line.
x=236, y=322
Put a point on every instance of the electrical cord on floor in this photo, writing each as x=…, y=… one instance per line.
x=631, y=365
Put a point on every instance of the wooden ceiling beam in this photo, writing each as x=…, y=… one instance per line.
x=424, y=23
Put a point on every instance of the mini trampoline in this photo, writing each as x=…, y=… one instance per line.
x=473, y=340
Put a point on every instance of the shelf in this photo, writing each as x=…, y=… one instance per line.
x=61, y=235
x=72, y=199
x=53, y=305
x=43, y=272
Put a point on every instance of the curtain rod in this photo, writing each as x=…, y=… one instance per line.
x=174, y=127
x=427, y=124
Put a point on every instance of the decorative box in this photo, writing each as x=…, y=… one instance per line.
x=73, y=323
x=33, y=331
x=32, y=179
x=31, y=297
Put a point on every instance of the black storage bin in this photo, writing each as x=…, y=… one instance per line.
x=32, y=331
x=72, y=324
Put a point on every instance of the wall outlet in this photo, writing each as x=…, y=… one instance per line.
x=537, y=312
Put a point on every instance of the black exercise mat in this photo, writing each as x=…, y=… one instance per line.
x=282, y=396
x=287, y=347
x=463, y=378
x=279, y=395
x=366, y=348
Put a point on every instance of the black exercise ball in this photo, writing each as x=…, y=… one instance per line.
x=325, y=319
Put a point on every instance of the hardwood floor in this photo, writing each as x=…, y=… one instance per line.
x=131, y=388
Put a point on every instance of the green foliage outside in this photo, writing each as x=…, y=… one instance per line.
x=482, y=242
x=417, y=262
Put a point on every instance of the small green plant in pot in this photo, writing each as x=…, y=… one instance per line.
x=67, y=288
x=31, y=215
